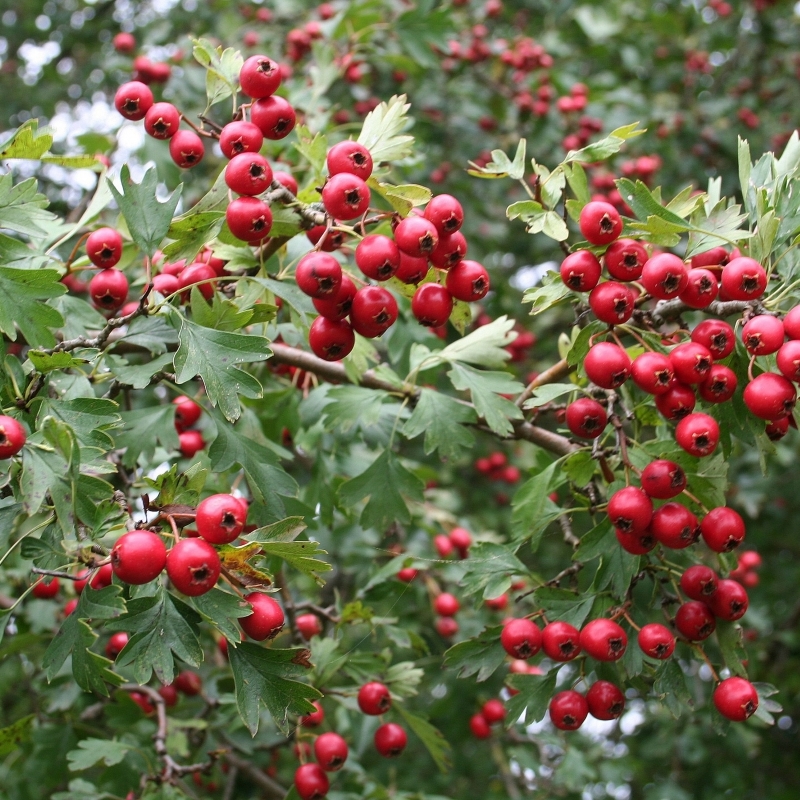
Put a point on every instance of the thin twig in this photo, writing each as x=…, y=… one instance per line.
x=552, y=374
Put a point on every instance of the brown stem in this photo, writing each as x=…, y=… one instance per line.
x=255, y=774
x=552, y=374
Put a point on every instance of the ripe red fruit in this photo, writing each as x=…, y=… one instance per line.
x=791, y=323
x=248, y=174
x=699, y=582
x=193, y=566
x=143, y=701
x=331, y=340
x=730, y=601
x=446, y=627
x=104, y=247
x=407, y=574
x=315, y=718
x=412, y=270
x=109, y=289
x=716, y=256
x=449, y=251
x=319, y=275
x=636, y=543
x=273, y=116
x=350, y=157
x=188, y=683
x=374, y=698
x=289, y=183
x=719, y=385
x=446, y=605
x=656, y=641
x=717, y=336
x=678, y=401
x=586, y=418
x=600, y=222
x=378, y=257
x=266, y=620
x=625, y=259
x=521, y=638
x=701, y=288
x=186, y=149
x=166, y=284
x=416, y=236
x=581, y=271
x=259, y=77
x=612, y=302
x=444, y=547
x=311, y=781
x=675, y=526
x=770, y=396
x=607, y=365
x=115, y=644
x=493, y=711
x=630, y=510
x=445, y=212
x=374, y=311
x=162, y=120
x=695, y=621
x=722, y=529
x=338, y=306
x=220, y=518
x=468, y=281
x=663, y=479
x=568, y=710
x=743, y=279
x=138, y=557
x=45, y=588
x=309, y=625
x=605, y=700
x=652, y=372
x=390, y=740
x=788, y=360
x=432, y=305
x=345, y=196
x=197, y=275
x=561, y=641
x=736, y=699
x=240, y=137
x=461, y=540
x=187, y=412
x=763, y=335
x=133, y=100
x=169, y=694
x=479, y=726
x=691, y=362
x=331, y=751
x=665, y=276
x=124, y=42
x=12, y=437
x=249, y=218
x=697, y=434
x=101, y=578
x=604, y=640
x=190, y=443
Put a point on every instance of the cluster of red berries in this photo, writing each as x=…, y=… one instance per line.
x=496, y=468
x=746, y=571
x=186, y=682
x=492, y=712
x=109, y=287
x=458, y=540
x=144, y=69
x=187, y=414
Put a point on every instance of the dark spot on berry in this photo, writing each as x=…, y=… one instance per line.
x=749, y=283
x=427, y=243
x=630, y=260
x=569, y=719
x=663, y=377
x=280, y=126
x=228, y=520
x=606, y=225
x=661, y=650
x=131, y=105
x=574, y=281
x=705, y=285
x=359, y=159
x=385, y=270
x=671, y=282
x=567, y=648
x=615, y=645
x=256, y=171
x=352, y=197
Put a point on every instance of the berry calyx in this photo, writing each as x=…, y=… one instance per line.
x=600, y=222
x=138, y=557
x=104, y=247
x=220, y=518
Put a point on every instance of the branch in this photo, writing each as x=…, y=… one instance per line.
x=551, y=375
x=666, y=310
x=256, y=775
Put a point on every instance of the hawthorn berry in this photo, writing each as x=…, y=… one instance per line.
x=719, y=385
x=46, y=588
x=763, y=335
x=266, y=619
x=345, y=196
x=309, y=625
x=378, y=257
x=124, y=42
x=444, y=547
x=193, y=566
x=166, y=284
x=220, y=518
x=697, y=434
x=288, y=182
x=311, y=782
x=625, y=259
x=240, y=137
x=350, y=157
x=407, y=574
x=461, y=539
x=493, y=711
x=701, y=288
x=331, y=751
x=416, y=236
x=449, y=251
x=665, y=276
x=612, y=302
x=162, y=120
x=630, y=510
x=607, y=365
x=187, y=412
x=188, y=682
x=318, y=275
x=186, y=149
x=636, y=544
x=788, y=360
x=412, y=269
x=374, y=310
x=663, y=479
x=273, y=116
x=716, y=335
x=743, y=278
x=138, y=557
x=104, y=247
x=699, y=582
x=652, y=372
x=109, y=289
x=190, y=443
x=169, y=694
x=605, y=700
x=604, y=640
x=568, y=710
x=561, y=641
x=133, y=100
x=446, y=627
x=115, y=644
x=770, y=396
x=200, y=275
x=479, y=726
x=259, y=77
x=249, y=218
x=332, y=240
x=736, y=699
x=521, y=638
x=374, y=698
x=248, y=174
x=581, y=271
x=656, y=641
x=101, y=578
x=331, y=340
x=446, y=605
x=675, y=526
x=722, y=529
x=468, y=281
x=716, y=256
x=730, y=601
x=791, y=323
x=695, y=621
x=691, y=362
x=315, y=718
x=12, y=437
x=338, y=306
x=390, y=740
x=445, y=212
x=586, y=418
x=600, y=222
x=432, y=305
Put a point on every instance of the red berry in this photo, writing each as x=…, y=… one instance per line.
x=493, y=711
x=133, y=100
x=625, y=259
x=240, y=137
x=604, y=640
x=743, y=279
x=586, y=418
x=198, y=275
x=468, y=281
x=259, y=77
x=663, y=479
x=273, y=116
x=719, y=385
x=12, y=437
x=46, y=588
x=665, y=276
x=407, y=574
x=102, y=577
x=331, y=751
x=248, y=174
x=630, y=510
x=104, y=247
x=722, y=529
x=319, y=275
x=763, y=335
x=374, y=698
x=701, y=288
x=311, y=781
x=791, y=323
x=169, y=693
x=446, y=605
x=338, y=306
x=187, y=412
x=788, y=360
x=736, y=699
x=315, y=718
x=308, y=625
x=521, y=638
x=186, y=149
x=188, y=683
x=124, y=42
x=330, y=339
x=749, y=559
x=656, y=641
x=142, y=701
x=416, y=236
x=350, y=157
x=190, y=443
x=432, y=305
x=109, y=289
x=220, y=518
x=717, y=336
x=691, y=362
x=770, y=396
x=166, y=284
x=612, y=302
x=445, y=212
x=249, y=218
x=581, y=271
x=605, y=700
x=138, y=557
x=333, y=239
x=390, y=740
x=444, y=547
x=446, y=627
x=378, y=257
x=162, y=120
x=636, y=543
x=697, y=434
x=777, y=430
x=675, y=526
x=568, y=710
x=652, y=372
x=412, y=270
x=193, y=566
x=716, y=256
x=730, y=600
x=374, y=311
x=345, y=196
x=288, y=182
x=479, y=726
x=607, y=365
x=561, y=641
x=449, y=251
x=600, y=222
x=699, y=582
x=678, y=401
x=461, y=539
x=695, y=621
x=115, y=644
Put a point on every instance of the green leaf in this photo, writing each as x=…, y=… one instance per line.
x=730, y=638
x=151, y=333
x=148, y=217
x=313, y=147
x=401, y=198
x=299, y=555
x=532, y=508
x=670, y=686
x=266, y=676
x=551, y=292
x=547, y=393
x=442, y=419
x=645, y=204
x=93, y=751
x=222, y=69
x=381, y=131
x=501, y=166
x=23, y=209
x=220, y=314
x=603, y=148
x=721, y=227
x=21, y=294
x=579, y=467
x=486, y=388
x=213, y=355
x=219, y=607
x=596, y=542
x=576, y=177
x=481, y=655
x=44, y=363
x=384, y=483
x=617, y=568
x=563, y=605
x=534, y=695
x=490, y=569
x=285, y=530
x=79, y=790
x=12, y=736
x=144, y=429
x=27, y=142
x=430, y=736
x=580, y=345
x=484, y=347
x=353, y=406
x=192, y=232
